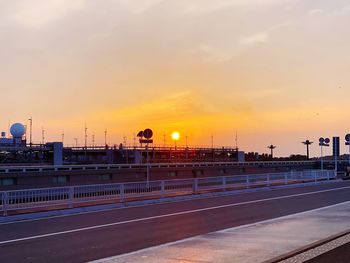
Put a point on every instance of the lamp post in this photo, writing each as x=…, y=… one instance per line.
x=307, y=143
x=272, y=147
x=323, y=142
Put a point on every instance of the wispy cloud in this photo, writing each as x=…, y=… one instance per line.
x=344, y=11
x=316, y=12
x=258, y=38
x=137, y=6
x=212, y=54
x=206, y=6
x=37, y=14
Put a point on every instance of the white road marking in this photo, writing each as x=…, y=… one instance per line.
x=167, y=215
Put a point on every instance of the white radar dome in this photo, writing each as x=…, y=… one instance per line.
x=17, y=130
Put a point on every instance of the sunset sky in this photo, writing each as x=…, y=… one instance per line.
x=275, y=71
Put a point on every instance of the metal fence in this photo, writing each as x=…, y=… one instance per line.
x=35, y=199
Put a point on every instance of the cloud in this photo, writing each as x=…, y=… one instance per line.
x=344, y=11
x=212, y=54
x=316, y=12
x=137, y=6
x=207, y=6
x=258, y=38
x=40, y=13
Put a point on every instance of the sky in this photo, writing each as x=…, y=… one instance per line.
x=272, y=71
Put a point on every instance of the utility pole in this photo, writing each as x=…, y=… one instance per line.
x=164, y=140
x=307, y=143
x=93, y=140
x=212, y=141
x=272, y=147
x=105, y=137
x=76, y=142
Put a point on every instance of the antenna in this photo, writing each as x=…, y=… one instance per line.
x=134, y=140
x=42, y=136
x=76, y=142
x=236, y=139
x=93, y=140
x=86, y=136
x=30, y=131
x=164, y=140
x=124, y=140
x=106, y=137
x=212, y=141
x=62, y=134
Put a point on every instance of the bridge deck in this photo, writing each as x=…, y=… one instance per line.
x=95, y=235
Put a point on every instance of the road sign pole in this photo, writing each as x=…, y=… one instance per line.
x=321, y=157
x=147, y=164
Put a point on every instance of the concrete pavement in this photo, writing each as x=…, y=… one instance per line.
x=250, y=244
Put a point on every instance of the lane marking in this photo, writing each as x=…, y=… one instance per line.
x=272, y=220
x=166, y=215
x=199, y=197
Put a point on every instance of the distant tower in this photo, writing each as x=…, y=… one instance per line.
x=307, y=143
x=272, y=147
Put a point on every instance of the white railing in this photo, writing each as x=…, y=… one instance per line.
x=79, y=195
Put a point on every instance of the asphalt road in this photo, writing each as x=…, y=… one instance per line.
x=91, y=236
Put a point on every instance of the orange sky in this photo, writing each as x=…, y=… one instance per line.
x=275, y=71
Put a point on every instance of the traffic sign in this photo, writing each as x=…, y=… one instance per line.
x=146, y=141
x=148, y=133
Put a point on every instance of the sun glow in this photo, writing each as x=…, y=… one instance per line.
x=175, y=136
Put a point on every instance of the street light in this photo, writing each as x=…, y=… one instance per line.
x=323, y=142
x=272, y=147
x=307, y=143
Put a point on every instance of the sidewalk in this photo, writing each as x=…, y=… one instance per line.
x=251, y=243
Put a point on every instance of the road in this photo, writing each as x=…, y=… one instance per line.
x=90, y=236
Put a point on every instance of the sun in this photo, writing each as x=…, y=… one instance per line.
x=175, y=135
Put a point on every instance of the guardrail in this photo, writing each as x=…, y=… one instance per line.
x=36, y=199
x=52, y=168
